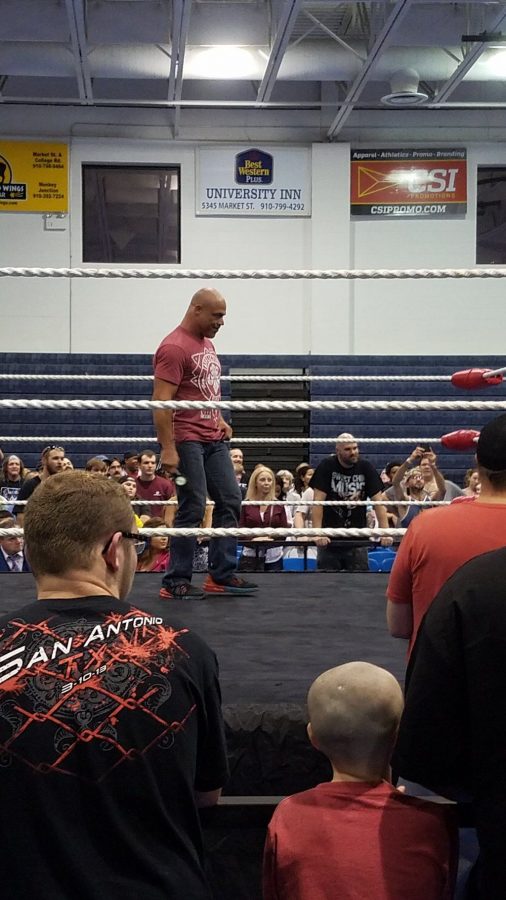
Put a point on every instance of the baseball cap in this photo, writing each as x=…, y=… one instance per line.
x=129, y=454
x=103, y=457
x=491, y=446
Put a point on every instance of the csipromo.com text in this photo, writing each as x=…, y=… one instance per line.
x=425, y=209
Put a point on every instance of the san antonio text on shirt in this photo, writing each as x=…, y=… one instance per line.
x=14, y=661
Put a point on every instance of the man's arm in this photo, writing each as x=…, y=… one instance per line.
x=434, y=745
x=164, y=424
x=400, y=590
x=412, y=460
x=381, y=515
x=318, y=517
x=169, y=514
x=399, y=619
x=269, y=868
x=225, y=428
x=441, y=486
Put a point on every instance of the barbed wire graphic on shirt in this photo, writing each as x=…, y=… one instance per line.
x=75, y=682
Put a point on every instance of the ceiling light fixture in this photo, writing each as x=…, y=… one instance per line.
x=496, y=62
x=223, y=62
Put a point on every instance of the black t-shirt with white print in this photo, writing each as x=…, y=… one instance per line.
x=357, y=482
x=110, y=718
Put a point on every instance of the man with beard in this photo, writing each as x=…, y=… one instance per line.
x=51, y=464
x=344, y=476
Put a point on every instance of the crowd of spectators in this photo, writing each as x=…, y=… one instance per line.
x=344, y=476
x=452, y=720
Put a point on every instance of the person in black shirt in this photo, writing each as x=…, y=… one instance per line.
x=344, y=476
x=452, y=737
x=51, y=463
x=111, y=734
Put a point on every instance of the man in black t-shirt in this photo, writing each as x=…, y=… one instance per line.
x=111, y=733
x=344, y=476
x=51, y=463
x=452, y=736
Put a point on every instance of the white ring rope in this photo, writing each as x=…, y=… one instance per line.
x=270, y=378
x=293, y=274
x=249, y=405
x=252, y=532
x=70, y=439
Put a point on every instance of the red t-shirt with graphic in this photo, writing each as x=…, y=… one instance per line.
x=191, y=363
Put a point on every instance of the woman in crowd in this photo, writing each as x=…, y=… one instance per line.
x=472, y=486
x=303, y=475
x=287, y=478
x=279, y=491
x=303, y=516
x=155, y=555
x=12, y=478
x=68, y=465
x=261, y=486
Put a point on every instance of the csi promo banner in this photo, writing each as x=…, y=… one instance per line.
x=33, y=177
x=418, y=184
x=255, y=181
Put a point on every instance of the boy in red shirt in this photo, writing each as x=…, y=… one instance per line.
x=357, y=836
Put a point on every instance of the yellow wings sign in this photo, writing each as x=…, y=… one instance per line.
x=33, y=177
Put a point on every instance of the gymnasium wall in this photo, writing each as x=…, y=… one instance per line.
x=278, y=318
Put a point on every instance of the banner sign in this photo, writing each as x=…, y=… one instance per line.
x=266, y=181
x=33, y=177
x=417, y=184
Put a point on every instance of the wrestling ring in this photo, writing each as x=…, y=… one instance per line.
x=273, y=644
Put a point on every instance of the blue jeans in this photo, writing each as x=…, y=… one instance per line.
x=209, y=470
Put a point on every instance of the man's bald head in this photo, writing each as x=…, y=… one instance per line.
x=206, y=297
x=205, y=314
x=354, y=712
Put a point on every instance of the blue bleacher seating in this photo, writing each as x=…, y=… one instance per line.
x=363, y=423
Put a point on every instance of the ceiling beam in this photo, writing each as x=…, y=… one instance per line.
x=467, y=63
x=333, y=35
x=381, y=42
x=181, y=12
x=287, y=19
x=77, y=25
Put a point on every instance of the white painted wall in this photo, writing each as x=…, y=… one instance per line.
x=275, y=317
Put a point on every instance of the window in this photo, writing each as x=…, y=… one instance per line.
x=491, y=216
x=131, y=214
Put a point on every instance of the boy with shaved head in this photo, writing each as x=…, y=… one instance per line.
x=357, y=837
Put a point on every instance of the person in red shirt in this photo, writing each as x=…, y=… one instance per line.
x=357, y=836
x=441, y=540
x=151, y=486
x=193, y=442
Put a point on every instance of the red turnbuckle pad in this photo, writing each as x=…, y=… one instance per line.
x=460, y=440
x=474, y=379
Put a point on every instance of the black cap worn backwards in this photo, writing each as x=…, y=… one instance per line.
x=491, y=446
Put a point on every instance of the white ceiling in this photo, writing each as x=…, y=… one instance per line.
x=317, y=68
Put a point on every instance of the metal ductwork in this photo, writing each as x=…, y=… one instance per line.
x=405, y=89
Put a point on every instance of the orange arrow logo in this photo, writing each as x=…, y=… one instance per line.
x=370, y=181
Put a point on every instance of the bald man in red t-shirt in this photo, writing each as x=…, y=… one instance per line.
x=193, y=443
